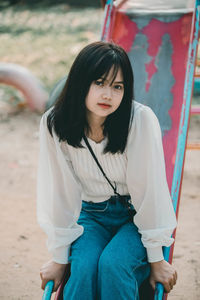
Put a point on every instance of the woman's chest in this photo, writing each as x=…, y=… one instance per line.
x=85, y=167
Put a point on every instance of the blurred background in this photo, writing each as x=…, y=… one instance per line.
x=44, y=37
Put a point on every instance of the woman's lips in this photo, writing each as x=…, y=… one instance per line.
x=104, y=105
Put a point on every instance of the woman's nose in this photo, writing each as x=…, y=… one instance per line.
x=107, y=95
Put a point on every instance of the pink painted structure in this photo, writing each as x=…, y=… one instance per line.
x=24, y=81
x=162, y=48
x=123, y=31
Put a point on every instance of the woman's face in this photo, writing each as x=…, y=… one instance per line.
x=104, y=97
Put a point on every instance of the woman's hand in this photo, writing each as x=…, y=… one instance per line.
x=52, y=271
x=164, y=273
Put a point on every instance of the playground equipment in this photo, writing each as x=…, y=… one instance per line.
x=23, y=80
x=197, y=74
x=162, y=45
x=161, y=42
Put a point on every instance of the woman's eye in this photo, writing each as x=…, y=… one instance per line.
x=118, y=87
x=99, y=82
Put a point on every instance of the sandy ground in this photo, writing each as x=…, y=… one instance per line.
x=22, y=247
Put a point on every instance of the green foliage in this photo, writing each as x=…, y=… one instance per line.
x=47, y=3
x=46, y=41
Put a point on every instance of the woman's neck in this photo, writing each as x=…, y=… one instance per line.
x=95, y=127
x=95, y=122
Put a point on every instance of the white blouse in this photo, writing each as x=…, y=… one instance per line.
x=68, y=175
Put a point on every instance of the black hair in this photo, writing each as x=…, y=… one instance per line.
x=68, y=116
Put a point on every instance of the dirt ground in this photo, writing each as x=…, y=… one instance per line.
x=22, y=247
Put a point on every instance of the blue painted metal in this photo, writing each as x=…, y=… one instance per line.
x=48, y=290
x=197, y=86
x=185, y=112
x=178, y=169
x=55, y=92
x=107, y=15
x=139, y=58
x=159, y=291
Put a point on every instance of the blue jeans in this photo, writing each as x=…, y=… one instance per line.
x=109, y=260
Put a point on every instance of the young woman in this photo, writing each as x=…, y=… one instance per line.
x=109, y=224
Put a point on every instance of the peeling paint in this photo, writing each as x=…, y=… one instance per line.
x=162, y=53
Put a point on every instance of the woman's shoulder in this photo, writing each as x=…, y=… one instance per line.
x=144, y=121
x=45, y=127
x=46, y=113
x=141, y=111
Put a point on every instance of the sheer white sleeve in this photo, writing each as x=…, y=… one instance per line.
x=58, y=196
x=147, y=184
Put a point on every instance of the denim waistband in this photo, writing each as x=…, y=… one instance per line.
x=123, y=199
x=114, y=201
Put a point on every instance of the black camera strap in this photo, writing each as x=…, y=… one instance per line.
x=114, y=187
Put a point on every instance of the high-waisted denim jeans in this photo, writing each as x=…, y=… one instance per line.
x=109, y=261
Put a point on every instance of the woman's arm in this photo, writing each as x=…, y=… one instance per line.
x=146, y=180
x=58, y=196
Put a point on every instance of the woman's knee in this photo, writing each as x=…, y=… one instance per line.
x=84, y=265
x=109, y=263
x=118, y=265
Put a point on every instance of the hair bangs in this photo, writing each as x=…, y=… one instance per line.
x=115, y=68
x=105, y=65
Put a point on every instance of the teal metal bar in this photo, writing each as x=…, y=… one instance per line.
x=180, y=154
x=48, y=290
x=185, y=111
x=107, y=19
x=159, y=291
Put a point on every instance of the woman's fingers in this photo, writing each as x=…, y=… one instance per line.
x=52, y=271
x=164, y=273
x=171, y=282
x=175, y=276
x=171, y=285
x=167, y=288
x=153, y=283
x=43, y=284
x=56, y=285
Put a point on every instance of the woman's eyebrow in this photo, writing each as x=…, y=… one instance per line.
x=119, y=82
